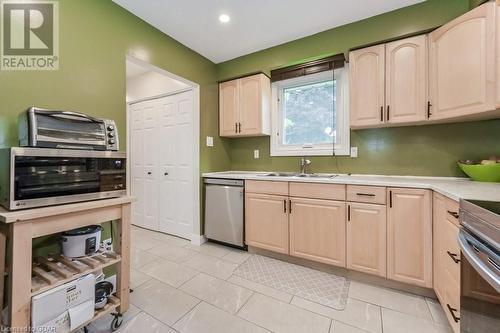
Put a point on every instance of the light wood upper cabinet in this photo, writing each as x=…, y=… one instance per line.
x=409, y=236
x=317, y=230
x=367, y=96
x=366, y=238
x=228, y=108
x=463, y=71
x=244, y=106
x=406, y=80
x=266, y=222
x=389, y=83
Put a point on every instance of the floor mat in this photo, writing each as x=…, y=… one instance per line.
x=320, y=287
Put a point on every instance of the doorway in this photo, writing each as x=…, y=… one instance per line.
x=163, y=150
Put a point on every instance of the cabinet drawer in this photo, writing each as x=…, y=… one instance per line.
x=451, y=303
x=266, y=187
x=451, y=250
x=368, y=194
x=318, y=191
x=452, y=209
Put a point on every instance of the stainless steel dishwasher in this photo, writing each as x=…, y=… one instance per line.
x=224, y=208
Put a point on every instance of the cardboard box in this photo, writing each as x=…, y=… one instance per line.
x=54, y=303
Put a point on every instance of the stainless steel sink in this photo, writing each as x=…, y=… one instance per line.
x=280, y=174
x=300, y=175
x=315, y=175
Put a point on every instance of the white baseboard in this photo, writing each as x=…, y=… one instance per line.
x=198, y=239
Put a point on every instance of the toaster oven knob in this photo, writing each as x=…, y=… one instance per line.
x=111, y=128
x=111, y=134
x=111, y=141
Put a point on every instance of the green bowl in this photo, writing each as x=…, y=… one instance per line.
x=482, y=173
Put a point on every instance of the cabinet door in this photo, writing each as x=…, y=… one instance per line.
x=366, y=238
x=438, y=220
x=462, y=65
x=250, y=99
x=266, y=222
x=367, y=86
x=409, y=236
x=406, y=80
x=317, y=230
x=228, y=108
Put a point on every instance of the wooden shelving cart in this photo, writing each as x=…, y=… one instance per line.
x=27, y=276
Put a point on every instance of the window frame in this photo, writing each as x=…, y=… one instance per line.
x=342, y=147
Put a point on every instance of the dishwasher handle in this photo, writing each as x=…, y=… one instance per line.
x=226, y=182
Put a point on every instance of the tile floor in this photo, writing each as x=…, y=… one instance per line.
x=179, y=287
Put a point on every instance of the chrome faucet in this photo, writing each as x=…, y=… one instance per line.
x=304, y=165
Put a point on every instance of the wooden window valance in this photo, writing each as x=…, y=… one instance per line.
x=311, y=67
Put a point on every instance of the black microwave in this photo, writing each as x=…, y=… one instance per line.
x=36, y=177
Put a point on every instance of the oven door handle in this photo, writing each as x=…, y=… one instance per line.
x=469, y=247
x=69, y=113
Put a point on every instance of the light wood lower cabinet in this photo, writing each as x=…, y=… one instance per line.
x=392, y=240
x=446, y=257
x=366, y=238
x=266, y=221
x=317, y=230
x=409, y=236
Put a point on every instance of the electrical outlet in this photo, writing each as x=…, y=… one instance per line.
x=210, y=141
x=354, y=152
x=256, y=154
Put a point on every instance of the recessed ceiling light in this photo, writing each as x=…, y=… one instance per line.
x=224, y=18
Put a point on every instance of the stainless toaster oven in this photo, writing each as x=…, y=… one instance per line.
x=36, y=177
x=65, y=129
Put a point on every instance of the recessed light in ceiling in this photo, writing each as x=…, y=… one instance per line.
x=224, y=18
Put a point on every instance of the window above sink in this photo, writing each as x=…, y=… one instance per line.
x=310, y=115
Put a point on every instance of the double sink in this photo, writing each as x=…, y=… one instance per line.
x=299, y=175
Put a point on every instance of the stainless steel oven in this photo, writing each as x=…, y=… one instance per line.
x=479, y=240
x=36, y=177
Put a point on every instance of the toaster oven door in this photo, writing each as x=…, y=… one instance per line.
x=62, y=129
x=47, y=180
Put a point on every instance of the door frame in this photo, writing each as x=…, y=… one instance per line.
x=196, y=238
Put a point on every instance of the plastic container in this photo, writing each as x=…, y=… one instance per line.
x=482, y=173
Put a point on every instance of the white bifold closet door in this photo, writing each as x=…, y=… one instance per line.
x=162, y=169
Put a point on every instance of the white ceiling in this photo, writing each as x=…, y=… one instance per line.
x=255, y=24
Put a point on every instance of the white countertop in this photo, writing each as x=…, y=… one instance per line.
x=453, y=188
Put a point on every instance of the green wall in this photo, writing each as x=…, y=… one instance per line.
x=95, y=38
x=423, y=150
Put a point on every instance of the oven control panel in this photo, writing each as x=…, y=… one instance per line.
x=111, y=135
